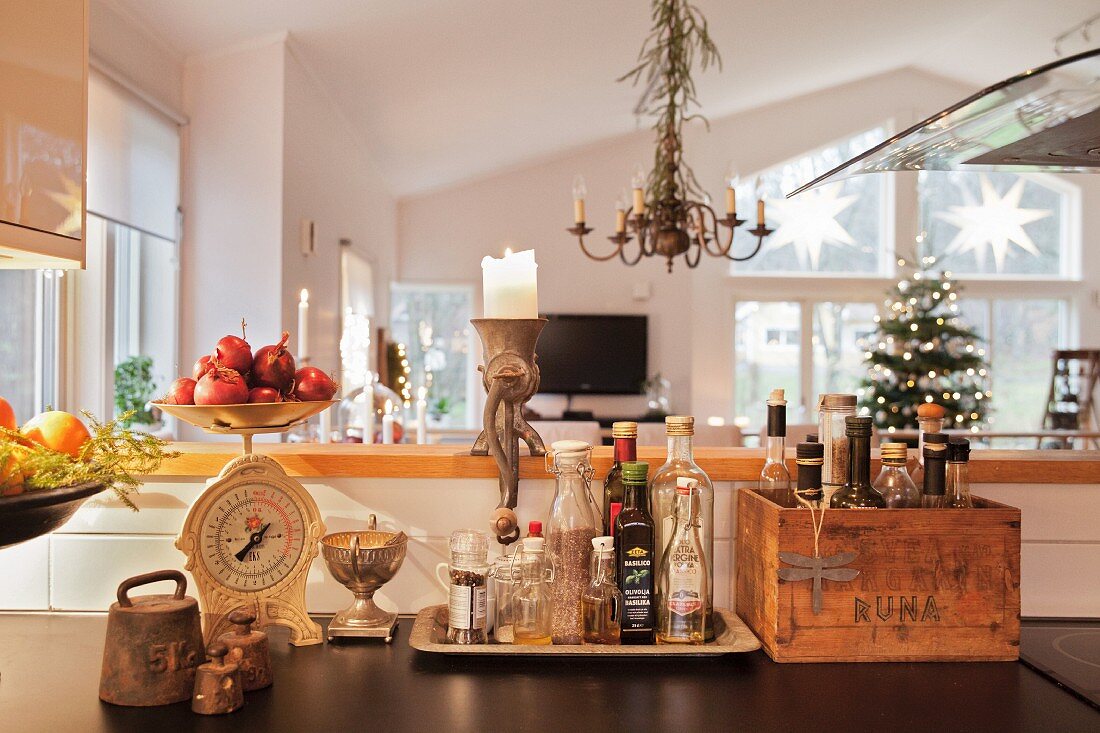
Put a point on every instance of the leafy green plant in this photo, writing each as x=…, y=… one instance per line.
x=134, y=387
x=636, y=576
x=441, y=407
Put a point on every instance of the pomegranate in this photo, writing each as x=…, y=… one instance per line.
x=180, y=392
x=273, y=366
x=235, y=352
x=264, y=394
x=221, y=386
x=313, y=385
x=202, y=366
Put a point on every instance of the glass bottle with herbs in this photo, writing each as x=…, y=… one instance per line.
x=625, y=435
x=638, y=562
x=929, y=422
x=468, y=598
x=810, y=456
x=858, y=493
x=532, y=606
x=775, y=479
x=935, y=470
x=569, y=531
x=957, y=489
x=684, y=579
x=832, y=411
x=680, y=430
x=893, y=482
x=602, y=601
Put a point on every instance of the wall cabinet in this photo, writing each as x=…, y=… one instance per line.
x=43, y=132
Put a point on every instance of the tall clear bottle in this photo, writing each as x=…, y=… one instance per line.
x=572, y=524
x=893, y=482
x=602, y=601
x=832, y=411
x=625, y=435
x=680, y=430
x=929, y=422
x=775, y=479
x=858, y=492
x=531, y=602
x=684, y=579
x=935, y=470
x=957, y=490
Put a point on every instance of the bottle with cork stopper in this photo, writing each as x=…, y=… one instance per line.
x=810, y=456
x=929, y=421
x=858, y=492
x=893, y=482
x=775, y=479
x=935, y=470
x=957, y=489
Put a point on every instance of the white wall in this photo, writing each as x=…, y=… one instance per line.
x=231, y=252
x=444, y=234
x=126, y=45
x=328, y=177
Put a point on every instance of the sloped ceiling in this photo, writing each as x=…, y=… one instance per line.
x=445, y=90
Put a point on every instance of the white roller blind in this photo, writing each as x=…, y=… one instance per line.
x=133, y=160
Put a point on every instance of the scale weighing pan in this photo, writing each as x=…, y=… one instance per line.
x=252, y=417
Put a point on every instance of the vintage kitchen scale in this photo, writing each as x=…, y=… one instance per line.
x=252, y=535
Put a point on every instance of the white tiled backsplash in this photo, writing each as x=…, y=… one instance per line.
x=79, y=567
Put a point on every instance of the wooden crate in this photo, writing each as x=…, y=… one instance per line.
x=934, y=584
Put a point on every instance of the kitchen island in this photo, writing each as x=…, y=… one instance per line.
x=49, y=678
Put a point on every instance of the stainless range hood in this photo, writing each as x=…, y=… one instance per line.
x=1045, y=119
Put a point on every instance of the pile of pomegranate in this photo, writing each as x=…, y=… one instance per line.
x=233, y=375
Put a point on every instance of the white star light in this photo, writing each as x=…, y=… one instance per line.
x=808, y=222
x=997, y=221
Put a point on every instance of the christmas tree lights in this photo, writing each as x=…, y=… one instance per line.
x=923, y=352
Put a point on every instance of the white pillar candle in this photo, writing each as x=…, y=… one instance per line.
x=387, y=424
x=326, y=426
x=368, y=409
x=303, y=327
x=510, y=285
x=422, y=416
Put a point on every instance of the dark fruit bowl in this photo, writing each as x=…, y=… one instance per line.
x=32, y=513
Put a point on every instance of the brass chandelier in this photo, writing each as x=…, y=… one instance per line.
x=668, y=213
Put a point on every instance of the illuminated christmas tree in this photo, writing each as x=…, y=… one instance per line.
x=923, y=352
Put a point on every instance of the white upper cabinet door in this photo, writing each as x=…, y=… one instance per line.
x=43, y=138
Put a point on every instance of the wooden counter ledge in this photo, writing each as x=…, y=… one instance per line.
x=722, y=464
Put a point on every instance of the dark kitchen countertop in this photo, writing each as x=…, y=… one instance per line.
x=49, y=680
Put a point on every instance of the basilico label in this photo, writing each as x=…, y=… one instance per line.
x=637, y=587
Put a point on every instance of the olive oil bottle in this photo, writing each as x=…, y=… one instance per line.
x=637, y=565
x=683, y=584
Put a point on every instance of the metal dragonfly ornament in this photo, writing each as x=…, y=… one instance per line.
x=829, y=568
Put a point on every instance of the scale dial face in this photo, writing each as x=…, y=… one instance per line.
x=252, y=537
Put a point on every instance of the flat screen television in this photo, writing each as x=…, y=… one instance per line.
x=593, y=354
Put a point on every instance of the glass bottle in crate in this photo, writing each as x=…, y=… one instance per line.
x=572, y=524
x=893, y=482
x=957, y=487
x=810, y=456
x=858, y=493
x=680, y=430
x=602, y=601
x=775, y=479
x=467, y=604
x=929, y=422
x=531, y=605
x=683, y=583
x=625, y=435
x=832, y=411
x=935, y=469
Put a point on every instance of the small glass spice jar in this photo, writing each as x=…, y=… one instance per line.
x=467, y=606
x=831, y=411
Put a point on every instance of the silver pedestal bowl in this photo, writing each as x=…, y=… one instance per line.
x=363, y=562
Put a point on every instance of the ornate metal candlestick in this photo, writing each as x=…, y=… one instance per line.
x=511, y=377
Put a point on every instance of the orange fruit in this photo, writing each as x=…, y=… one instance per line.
x=7, y=416
x=11, y=475
x=57, y=431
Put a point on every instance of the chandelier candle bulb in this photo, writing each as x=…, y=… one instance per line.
x=580, y=190
x=638, y=183
x=387, y=424
x=620, y=214
x=510, y=285
x=303, y=326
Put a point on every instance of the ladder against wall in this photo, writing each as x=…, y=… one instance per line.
x=1071, y=401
